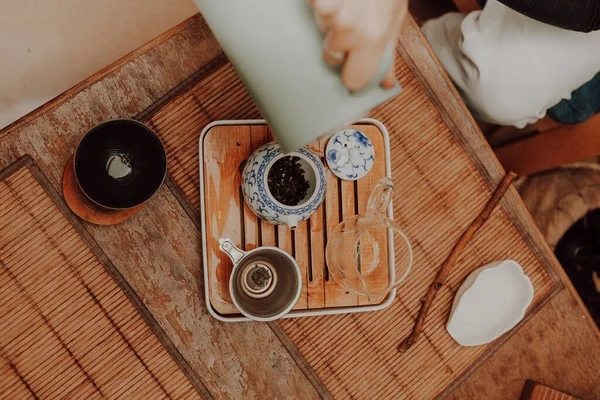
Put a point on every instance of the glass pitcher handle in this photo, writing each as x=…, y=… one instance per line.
x=380, y=198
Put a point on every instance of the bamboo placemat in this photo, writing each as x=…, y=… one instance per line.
x=439, y=191
x=70, y=326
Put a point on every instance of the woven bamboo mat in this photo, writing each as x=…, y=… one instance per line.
x=439, y=192
x=67, y=329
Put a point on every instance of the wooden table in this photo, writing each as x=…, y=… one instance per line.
x=158, y=251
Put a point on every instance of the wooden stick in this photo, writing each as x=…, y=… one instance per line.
x=440, y=279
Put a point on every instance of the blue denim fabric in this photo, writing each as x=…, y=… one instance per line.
x=584, y=103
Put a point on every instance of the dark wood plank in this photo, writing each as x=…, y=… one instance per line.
x=551, y=149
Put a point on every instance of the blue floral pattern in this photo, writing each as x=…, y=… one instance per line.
x=350, y=154
x=255, y=191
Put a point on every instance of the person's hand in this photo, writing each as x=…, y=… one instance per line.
x=357, y=33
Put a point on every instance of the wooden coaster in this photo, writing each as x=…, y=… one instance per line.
x=84, y=208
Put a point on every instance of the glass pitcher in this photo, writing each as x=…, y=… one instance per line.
x=357, y=253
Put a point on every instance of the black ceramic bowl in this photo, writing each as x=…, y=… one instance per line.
x=120, y=164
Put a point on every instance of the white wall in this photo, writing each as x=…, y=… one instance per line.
x=47, y=46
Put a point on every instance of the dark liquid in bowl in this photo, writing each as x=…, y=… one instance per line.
x=120, y=164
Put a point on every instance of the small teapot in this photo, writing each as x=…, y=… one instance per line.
x=357, y=251
x=256, y=188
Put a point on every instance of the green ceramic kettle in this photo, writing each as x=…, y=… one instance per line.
x=275, y=47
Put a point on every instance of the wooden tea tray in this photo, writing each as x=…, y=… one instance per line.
x=224, y=147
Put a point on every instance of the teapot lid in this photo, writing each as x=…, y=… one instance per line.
x=350, y=154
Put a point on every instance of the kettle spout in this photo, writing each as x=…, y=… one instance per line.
x=291, y=221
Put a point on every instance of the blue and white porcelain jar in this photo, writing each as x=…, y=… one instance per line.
x=258, y=195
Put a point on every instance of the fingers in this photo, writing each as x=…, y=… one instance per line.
x=336, y=42
x=326, y=8
x=360, y=67
x=332, y=54
x=357, y=35
x=336, y=45
x=325, y=12
x=390, y=80
x=341, y=34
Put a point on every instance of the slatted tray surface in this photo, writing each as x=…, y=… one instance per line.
x=67, y=330
x=226, y=148
x=439, y=191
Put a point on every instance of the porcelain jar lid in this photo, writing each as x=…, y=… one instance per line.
x=350, y=154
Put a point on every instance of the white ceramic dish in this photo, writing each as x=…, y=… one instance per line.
x=294, y=313
x=491, y=301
